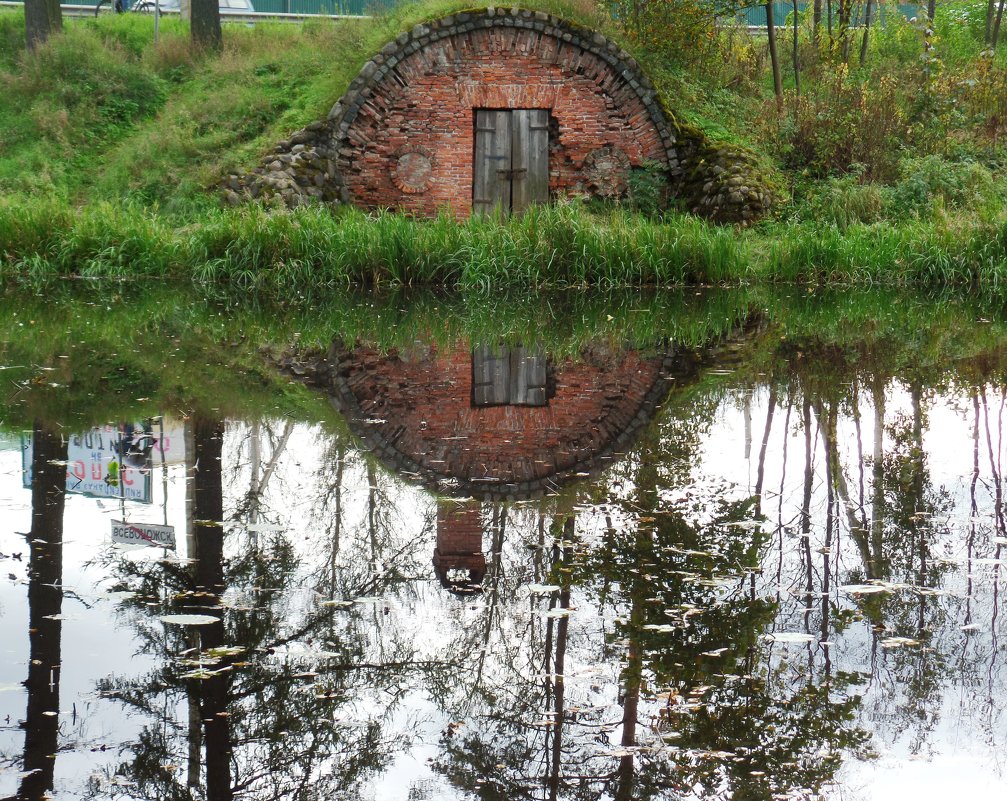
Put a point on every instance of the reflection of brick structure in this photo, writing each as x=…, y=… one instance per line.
x=415, y=411
x=458, y=558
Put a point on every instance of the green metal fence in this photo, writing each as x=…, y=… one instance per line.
x=322, y=6
x=345, y=7
x=756, y=15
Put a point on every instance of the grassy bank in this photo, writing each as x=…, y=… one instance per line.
x=111, y=149
x=312, y=249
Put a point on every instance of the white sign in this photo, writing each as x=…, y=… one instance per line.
x=143, y=534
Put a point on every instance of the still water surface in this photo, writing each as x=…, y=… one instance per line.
x=757, y=556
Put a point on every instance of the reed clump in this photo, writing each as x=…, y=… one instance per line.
x=312, y=249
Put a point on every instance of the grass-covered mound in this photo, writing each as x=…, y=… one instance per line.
x=101, y=113
x=112, y=149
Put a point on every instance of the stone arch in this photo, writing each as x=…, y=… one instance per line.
x=402, y=134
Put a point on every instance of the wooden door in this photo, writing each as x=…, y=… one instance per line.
x=510, y=160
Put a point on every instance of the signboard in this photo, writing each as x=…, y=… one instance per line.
x=143, y=534
x=111, y=461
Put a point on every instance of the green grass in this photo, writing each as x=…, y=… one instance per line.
x=111, y=149
x=312, y=251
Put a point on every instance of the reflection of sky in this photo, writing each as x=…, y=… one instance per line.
x=962, y=752
x=94, y=646
x=412, y=616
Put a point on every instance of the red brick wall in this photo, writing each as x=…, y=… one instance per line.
x=427, y=104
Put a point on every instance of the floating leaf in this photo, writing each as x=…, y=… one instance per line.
x=788, y=636
x=865, y=589
x=223, y=651
x=898, y=642
x=189, y=620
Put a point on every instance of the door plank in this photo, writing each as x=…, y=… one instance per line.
x=527, y=377
x=490, y=375
x=491, y=191
x=536, y=188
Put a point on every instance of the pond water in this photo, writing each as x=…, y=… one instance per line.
x=732, y=545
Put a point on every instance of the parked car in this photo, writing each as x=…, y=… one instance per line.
x=172, y=6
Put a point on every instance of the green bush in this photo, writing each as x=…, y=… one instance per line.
x=845, y=201
x=847, y=124
x=927, y=181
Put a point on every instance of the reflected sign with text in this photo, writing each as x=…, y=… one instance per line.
x=110, y=461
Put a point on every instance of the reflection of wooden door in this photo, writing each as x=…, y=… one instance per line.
x=509, y=376
x=511, y=160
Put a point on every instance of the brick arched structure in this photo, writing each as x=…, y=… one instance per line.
x=417, y=413
x=405, y=133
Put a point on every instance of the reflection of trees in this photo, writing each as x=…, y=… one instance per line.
x=696, y=705
x=872, y=496
x=45, y=603
x=694, y=619
x=270, y=687
x=521, y=739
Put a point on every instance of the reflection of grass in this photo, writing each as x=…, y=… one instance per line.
x=101, y=351
x=88, y=353
x=92, y=354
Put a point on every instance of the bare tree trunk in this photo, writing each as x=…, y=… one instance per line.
x=205, y=26
x=774, y=58
x=867, y=31
x=195, y=732
x=559, y=666
x=931, y=9
x=761, y=469
x=208, y=437
x=990, y=11
x=996, y=25
x=796, y=58
x=878, y=480
x=42, y=18
x=845, y=11
x=816, y=21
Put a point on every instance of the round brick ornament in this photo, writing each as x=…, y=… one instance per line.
x=413, y=170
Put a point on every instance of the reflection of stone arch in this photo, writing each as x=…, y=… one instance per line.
x=414, y=411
